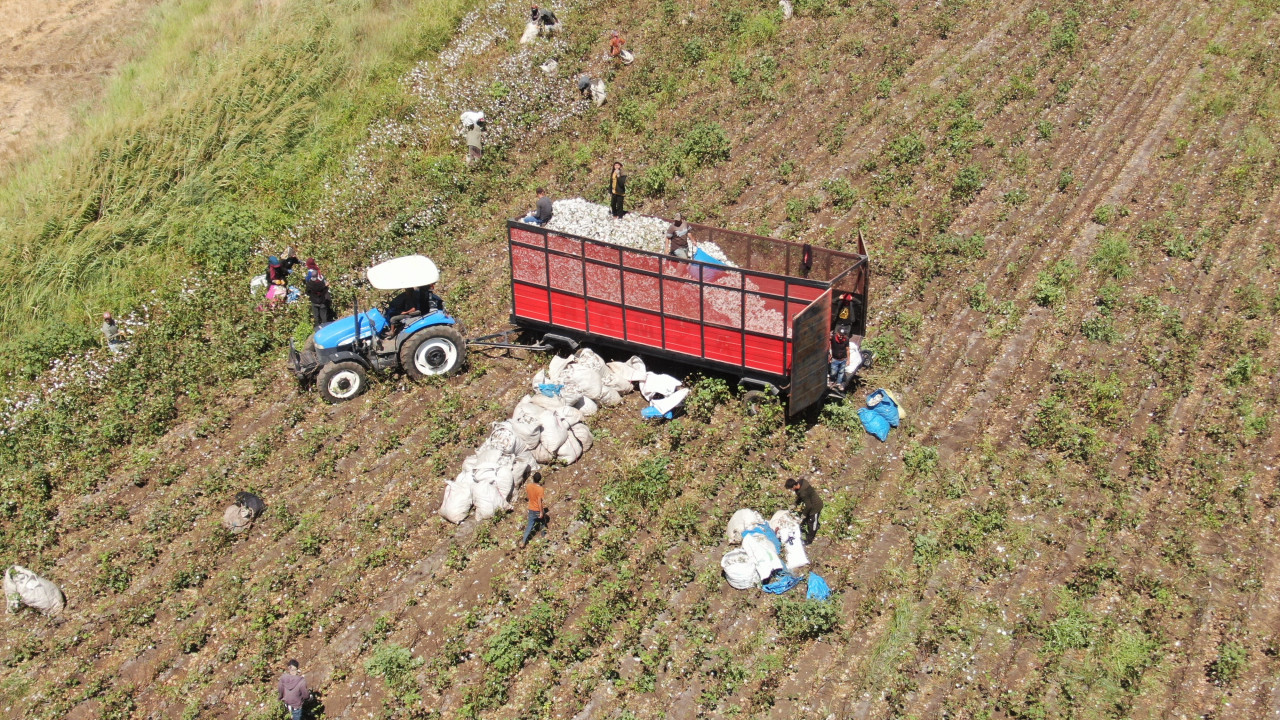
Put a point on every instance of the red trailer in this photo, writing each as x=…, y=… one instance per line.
x=766, y=317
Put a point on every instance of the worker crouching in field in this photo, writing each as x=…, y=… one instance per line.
x=810, y=507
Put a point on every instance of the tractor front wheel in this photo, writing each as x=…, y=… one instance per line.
x=341, y=381
x=437, y=350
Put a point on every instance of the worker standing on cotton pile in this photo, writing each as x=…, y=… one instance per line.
x=810, y=506
x=617, y=191
x=679, y=243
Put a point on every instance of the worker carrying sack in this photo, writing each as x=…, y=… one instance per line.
x=23, y=587
x=239, y=517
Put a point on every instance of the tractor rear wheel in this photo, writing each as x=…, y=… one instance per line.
x=437, y=350
x=341, y=381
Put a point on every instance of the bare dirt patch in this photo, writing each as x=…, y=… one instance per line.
x=54, y=56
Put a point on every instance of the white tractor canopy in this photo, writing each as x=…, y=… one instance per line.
x=403, y=272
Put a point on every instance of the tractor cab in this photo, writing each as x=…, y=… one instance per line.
x=421, y=338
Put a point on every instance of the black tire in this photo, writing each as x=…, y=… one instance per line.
x=437, y=350
x=753, y=399
x=341, y=381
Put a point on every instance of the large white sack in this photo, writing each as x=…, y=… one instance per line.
x=658, y=385
x=570, y=416
x=588, y=380
x=787, y=528
x=626, y=372
x=609, y=397
x=467, y=475
x=556, y=365
x=741, y=520
x=528, y=433
x=570, y=451
x=739, y=569
x=488, y=500
x=27, y=588
x=487, y=456
x=666, y=404
x=505, y=439
x=598, y=92
x=584, y=436
x=543, y=455
x=457, y=500
x=237, y=519
x=588, y=358
x=486, y=473
x=586, y=406
x=504, y=477
x=554, y=432
x=762, y=554
x=530, y=33
x=546, y=403
x=571, y=393
x=471, y=462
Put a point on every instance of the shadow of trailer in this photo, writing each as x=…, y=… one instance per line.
x=765, y=316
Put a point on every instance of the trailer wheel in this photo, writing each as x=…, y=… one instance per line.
x=341, y=381
x=753, y=399
x=437, y=350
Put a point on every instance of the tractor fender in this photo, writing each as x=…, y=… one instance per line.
x=439, y=317
x=344, y=356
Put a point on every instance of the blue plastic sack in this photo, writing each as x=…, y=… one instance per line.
x=818, y=588
x=766, y=531
x=708, y=274
x=650, y=412
x=550, y=389
x=785, y=581
x=886, y=407
x=875, y=423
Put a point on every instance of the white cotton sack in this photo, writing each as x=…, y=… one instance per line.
x=571, y=393
x=467, y=474
x=457, y=500
x=763, y=554
x=504, y=438
x=570, y=451
x=741, y=520
x=487, y=456
x=547, y=403
x=554, y=433
x=589, y=358
x=542, y=455
x=609, y=397
x=584, y=436
x=739, y=569
x=587, y=406
x=587, y=380
x=29, y=589
x=504, y=477
x=557, y=365
x=486, y=474
x=530, y=33
x=569, y=416
x=527, y=433
x=471, y=462
x=488, y=500
x=624, y=373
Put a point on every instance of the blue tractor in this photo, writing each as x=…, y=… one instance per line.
x=419, y=336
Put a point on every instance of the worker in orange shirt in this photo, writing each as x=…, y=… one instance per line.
x=537, y=510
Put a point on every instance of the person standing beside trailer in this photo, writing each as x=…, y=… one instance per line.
x=617, y=191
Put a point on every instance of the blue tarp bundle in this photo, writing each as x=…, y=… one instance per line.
x=884, y=415
x=708, y=274
x=784, y=581
x=818, y=589
x=650, y=412
x=550, y=389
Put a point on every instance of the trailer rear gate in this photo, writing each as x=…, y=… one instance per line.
x=743, y=320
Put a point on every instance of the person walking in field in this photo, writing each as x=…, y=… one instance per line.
x=292, y=690
x=810, y=506
x=537, y=507
x=111, y=333
x=617, y=191
x=475, y=139
x=318, y=293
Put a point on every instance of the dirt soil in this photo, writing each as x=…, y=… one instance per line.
x=54, y=57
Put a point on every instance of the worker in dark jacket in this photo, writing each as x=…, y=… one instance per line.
x=318, y=293
x=292, y=690
x=810, y=505
x=617, y=190
x=542, y=210
x=415, y=302
x=278, y=268
x=542, y=16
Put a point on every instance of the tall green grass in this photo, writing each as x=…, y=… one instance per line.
x=220, y=134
